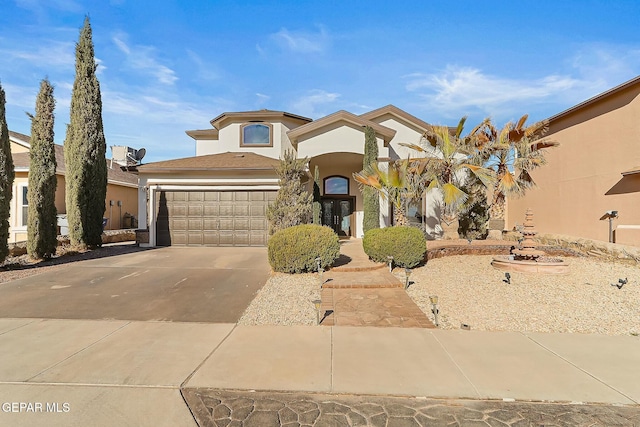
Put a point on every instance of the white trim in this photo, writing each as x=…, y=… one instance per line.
x=210, y=181
x=162, y=187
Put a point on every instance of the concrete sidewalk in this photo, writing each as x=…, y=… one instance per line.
x=130, y=373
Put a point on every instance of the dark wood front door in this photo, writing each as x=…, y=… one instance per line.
x=336, y=213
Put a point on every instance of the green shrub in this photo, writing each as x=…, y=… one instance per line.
x=406, y=245
x=295, y=249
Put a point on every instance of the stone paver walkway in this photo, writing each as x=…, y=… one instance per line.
x=374, y=307
x=359, y=292
x=214, y=408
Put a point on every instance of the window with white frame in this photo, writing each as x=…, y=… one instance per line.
x=24, y=205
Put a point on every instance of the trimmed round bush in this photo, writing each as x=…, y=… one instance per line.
x=295, y=249
x=406, y=245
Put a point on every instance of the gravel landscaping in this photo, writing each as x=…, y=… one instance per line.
x=286, y=299
x=472, y=292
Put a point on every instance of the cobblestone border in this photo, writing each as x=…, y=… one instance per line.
x=215, y=408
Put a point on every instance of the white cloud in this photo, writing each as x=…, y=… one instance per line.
x=142, y=58
x=301, y=41
x=310, y=105
x=459, y=91
x=204, y=71
x=40, y=5
x=44, y=54
x=261, y=99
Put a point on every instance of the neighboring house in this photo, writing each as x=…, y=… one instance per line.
x=220, y=196
x=595, y=169
x=122, y=190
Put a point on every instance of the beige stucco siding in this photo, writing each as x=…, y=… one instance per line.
x=127, y=194
x=336, y=138
x=229, y=141
x=405, y=133
x=17, y=148
x=582, y=179
x=207, y=146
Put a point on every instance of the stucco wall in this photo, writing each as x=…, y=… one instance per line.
x=582, y=179
x=207, y=146
x=17, y=148
x=336, y=138
x=405, y=133
x=18, y=233
x=229, y=140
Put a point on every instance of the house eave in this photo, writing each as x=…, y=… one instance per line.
x=595, y=99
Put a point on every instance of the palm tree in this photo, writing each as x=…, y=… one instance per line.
x=401, y=183
x=511, y=153
x=447, y=168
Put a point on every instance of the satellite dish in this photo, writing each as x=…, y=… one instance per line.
x=140, y=154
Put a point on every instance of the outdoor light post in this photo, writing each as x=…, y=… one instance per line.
x=320, y=269
x=407, y=273
x=316, y=304
x=390, y=262
x=434, y=307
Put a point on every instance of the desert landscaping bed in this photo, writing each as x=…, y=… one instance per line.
x=472, y=292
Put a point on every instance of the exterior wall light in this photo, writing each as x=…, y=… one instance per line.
x=610, y=215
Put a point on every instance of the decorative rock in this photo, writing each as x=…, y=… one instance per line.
x=393, y=411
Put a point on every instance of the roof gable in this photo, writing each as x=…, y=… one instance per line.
x=401, y=115
x=20, y=139
x=598, y=98
x=341, y=116
x=259, y=115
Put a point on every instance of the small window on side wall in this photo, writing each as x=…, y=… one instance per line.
x=25, y=207
x=336, y=185
x=256, y=135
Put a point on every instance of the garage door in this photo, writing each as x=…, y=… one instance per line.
x=212, y=218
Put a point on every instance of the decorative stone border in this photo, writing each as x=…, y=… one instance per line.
x=588, y=247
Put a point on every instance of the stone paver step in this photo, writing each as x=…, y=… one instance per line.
x=379, y=278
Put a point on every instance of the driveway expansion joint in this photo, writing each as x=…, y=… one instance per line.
x=581, y=369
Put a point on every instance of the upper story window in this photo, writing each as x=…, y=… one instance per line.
x=336, y=185
x=256, y=135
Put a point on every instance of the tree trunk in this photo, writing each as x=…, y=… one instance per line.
x=450, y=225
x=399, y=216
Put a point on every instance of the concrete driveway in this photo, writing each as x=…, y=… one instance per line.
x=183, y=284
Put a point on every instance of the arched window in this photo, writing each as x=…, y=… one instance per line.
x=256, y=134
x=336, y=185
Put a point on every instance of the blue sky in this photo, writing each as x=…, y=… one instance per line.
x=170, y=66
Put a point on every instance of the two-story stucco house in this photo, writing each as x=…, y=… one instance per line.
x=220, y=196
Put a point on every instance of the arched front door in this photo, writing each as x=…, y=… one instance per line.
x=338, y=206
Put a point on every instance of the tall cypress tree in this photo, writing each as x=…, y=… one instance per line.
x=371, y=201
x=6, y=179
x=317, y=210
x=41, y=225
x=85, y=150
